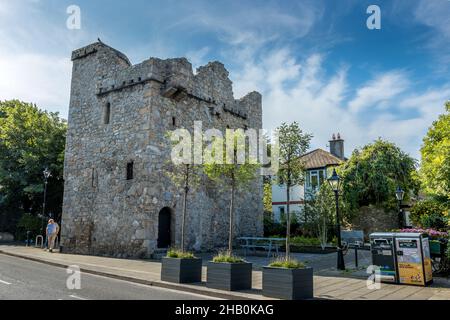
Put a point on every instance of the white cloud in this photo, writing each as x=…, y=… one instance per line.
x=35, y=61
x=248, y=24
x=197, y=57
x=44, y=80
x=436, y=15
x=381, y=89
x=300, y=91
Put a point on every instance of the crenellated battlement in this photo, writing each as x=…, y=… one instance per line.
x=211, y=83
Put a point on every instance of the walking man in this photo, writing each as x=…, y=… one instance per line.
x=52, y=232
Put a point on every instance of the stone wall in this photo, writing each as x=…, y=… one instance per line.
x=373, y=219
x=106, y=214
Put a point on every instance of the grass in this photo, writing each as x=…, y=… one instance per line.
x=288, y=264
x=175, y=253
x=225, y=257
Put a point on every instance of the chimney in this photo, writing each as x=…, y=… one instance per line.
x=337, y=146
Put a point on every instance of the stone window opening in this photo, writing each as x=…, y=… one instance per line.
x=174, y=121
x=107, y=113
x=93, y=178
x=130, y=173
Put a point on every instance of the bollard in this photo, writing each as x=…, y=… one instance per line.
x=37, y=241
x=356, y=256
x=28, y=238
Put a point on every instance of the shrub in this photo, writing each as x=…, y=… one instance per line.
x=434, y=220
x=225, y=257
x=430, y=213
x=174, y=253
x=273, y=228
x=305, y=241
x=288, y=264
x=30, y=223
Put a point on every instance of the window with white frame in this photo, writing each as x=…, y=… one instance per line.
x=315, y=178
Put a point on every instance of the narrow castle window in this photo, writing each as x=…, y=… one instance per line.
x=174, y=121
x=107, y=113
x=130, y=166
x=93, y=178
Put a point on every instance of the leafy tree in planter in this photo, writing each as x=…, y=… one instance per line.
x=435, y=166
x=234, y=174
x=293, y=144
x=184, y=175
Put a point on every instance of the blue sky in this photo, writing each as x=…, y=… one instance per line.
x=314, y=61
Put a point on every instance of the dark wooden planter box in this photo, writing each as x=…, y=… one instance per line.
x=289, y=284
x=181, y=270
x=229, y=276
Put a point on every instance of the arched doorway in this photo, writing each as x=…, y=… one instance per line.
x=164, y=228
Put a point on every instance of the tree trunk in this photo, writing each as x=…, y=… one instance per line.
x=230, y=239
x=183, y=219
x=288, y=223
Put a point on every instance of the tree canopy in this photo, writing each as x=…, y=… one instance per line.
x=30, y=140
x=435, y=166
x=373, y=173
x=293, y=144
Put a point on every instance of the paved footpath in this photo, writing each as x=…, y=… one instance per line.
x=37, y=281
x=335, y=286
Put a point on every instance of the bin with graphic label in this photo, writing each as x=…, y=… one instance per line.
x=413, y=259
x=382, y=246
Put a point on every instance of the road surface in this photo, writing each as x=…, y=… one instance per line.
x=22, y=279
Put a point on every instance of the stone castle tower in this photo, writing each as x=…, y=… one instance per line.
x=118, y=200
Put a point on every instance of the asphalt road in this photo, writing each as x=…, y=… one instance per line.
x=22, y=279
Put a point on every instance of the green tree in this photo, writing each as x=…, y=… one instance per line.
x=184, y=176
x=321, y=209
x=30, y=140
x=293, y=143
x=233, y=174
x=267, y=195
x=430, y=213
x=435, y=151
x=373, y=173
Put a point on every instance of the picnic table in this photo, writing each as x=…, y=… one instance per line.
x=268, y=244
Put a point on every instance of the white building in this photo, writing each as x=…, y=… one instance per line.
x=319, y=165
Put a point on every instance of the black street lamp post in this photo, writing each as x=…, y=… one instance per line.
x=47, y=174
x=335, y=181
x=399, y=194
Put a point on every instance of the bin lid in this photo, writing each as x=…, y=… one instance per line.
x=382, y=234
x=410, y=234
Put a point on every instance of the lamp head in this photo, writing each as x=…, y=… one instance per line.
x=47, y=173
x=334, y=181
x=399, y=194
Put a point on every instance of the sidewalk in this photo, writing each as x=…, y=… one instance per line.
x=148, y=272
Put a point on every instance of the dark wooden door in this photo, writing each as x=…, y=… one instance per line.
x=164, y=228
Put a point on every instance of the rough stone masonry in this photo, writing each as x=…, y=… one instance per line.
x=118, y=199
